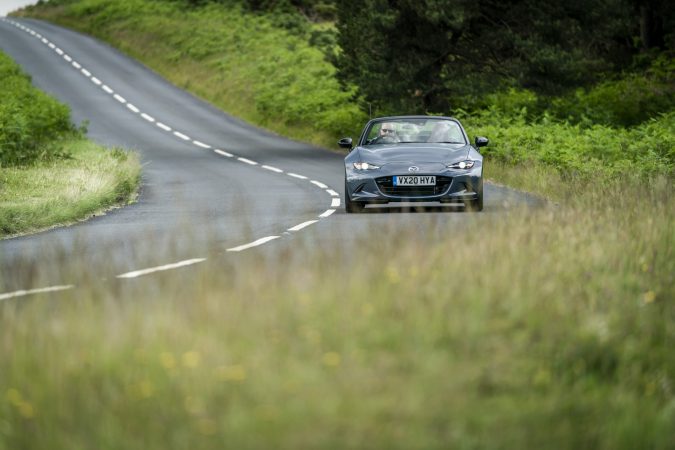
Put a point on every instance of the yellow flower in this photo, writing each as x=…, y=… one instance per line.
x=649, y=297
x=191, y=359
x=331, y=359
x=26, y=410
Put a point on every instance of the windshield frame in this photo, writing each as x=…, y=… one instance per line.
x=413, y=120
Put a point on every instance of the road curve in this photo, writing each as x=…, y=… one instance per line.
x=211, y=183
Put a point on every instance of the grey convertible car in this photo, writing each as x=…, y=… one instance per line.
x=413, y=159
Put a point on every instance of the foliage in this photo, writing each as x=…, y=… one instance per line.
x=30, y=120
x=61, y=191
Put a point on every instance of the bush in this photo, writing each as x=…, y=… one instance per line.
x=30, y=120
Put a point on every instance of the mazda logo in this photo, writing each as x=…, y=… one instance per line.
x=413, y=169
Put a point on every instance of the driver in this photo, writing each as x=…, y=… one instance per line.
x=387, y=130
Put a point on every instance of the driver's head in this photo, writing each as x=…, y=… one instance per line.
x=387, y=129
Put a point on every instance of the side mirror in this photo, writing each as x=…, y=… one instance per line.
x=345, y=142
x=481, y=141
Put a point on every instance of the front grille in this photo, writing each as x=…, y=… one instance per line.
x=387, y=187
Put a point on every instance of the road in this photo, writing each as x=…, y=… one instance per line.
x=213, y=186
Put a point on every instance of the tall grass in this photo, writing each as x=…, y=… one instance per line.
x=550, y=328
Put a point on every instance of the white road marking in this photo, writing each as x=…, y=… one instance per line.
x=67, y=57
x=260, y=241
x=201, y=144
x=107, y=89
x=35, y=291
x=52, y=46
x=163, y=127
x=248, y=161
x=32, y=32
x=335, y=202
x=327, y=213
x=133, y=108
x=139, y=273
x=59, y=51
x=332, y=193
x=273, y=169
x=147, y=117
x=224, y=153
x=303, y=225
x=45, y=41
x=295, y=175
x=85, y=72
x=76, y=65
x=320, y=184
x=38, y=35
x=119, y=98
x=181, y=135
x=96, y=81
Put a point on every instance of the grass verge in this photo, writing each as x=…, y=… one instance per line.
x=549, y=328
x=62, y=191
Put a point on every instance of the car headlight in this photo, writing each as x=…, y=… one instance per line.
x=461, y=165
x=365, y=166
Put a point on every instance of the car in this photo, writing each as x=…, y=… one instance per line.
x=413, y=159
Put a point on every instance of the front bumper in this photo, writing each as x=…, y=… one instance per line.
x=453, y=186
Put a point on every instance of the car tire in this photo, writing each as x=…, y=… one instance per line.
x=352, y=207
x=475, y=205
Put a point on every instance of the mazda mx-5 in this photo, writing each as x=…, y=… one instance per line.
x=413, y=159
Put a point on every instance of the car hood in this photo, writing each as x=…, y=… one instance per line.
x=414, y=153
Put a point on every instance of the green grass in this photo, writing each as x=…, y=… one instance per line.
x=62, y=191
x=548, y=328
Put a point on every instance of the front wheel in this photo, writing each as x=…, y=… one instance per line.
x=352, y=207
x=475, y=205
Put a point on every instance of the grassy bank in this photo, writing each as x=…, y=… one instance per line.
x=65, y=190
x=547, y=329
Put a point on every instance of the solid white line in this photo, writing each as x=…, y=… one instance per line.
x=35, y=291
x=335, y=202
x=76, y=65
x=96, y=81
x=107, y=89
x=332, y=192
x=119, y=98
x=248, y=161
x=303, y=225
x=273, y=169
x=295, y=175
x=147, y=117
x=163, y=127
x=85, y=72
x=67, y=57
x=181, y=135
x=201, y=144
x=320, y=184
x=260, y=241
x=59, y=51
x=139, y=273
x=133, y=108
x=327, y=213
x=224, y=153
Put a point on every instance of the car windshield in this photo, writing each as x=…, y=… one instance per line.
x=415, y=130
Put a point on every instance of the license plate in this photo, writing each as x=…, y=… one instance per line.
x=415, y=180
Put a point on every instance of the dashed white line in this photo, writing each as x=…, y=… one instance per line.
x=303, y=225
x=332, y=193
x=96, y=81
x=320, y=184
x=76, y=65
x=59, y=51
x=107, y=89
x=327, y=213
x=85, y=72
x=22, y=293
x=273, y=169
x=224, y=153
x=38, y=35
x=201, y=144
x=260, y=241
x=138, y=273
x=335, y=202
x=163, y=127
x=295, y=175
x=119, y=98
x=133, y=108
x=181, y=135
x=248, y=161
x=147, y=117
x=67, y=57
x=45, y=41
x=51, y=45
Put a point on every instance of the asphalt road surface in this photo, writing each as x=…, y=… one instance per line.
x=212, y=184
